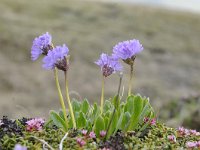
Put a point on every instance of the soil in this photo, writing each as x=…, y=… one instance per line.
x=114, y=143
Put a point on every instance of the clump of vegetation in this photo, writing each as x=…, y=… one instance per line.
x=157, y=136
x=115, y=124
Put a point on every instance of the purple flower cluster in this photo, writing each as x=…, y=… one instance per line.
x=152, y=121
x=56, y=58
x=127, y=49
x=102, y=133
x=35, y=124
x=187, y=132
x=108, y=64
x=195, y=144
x=80, y=142
x=41, y=45
x=171, y=138
x=92, y=135
x=84, y=132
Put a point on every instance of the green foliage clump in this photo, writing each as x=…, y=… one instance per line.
x=124, y=116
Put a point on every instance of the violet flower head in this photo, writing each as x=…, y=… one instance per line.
x=153, y=121
x=19, y=147
x=127, y=50
x=56, y=58
x=108, y=64
x=191, y=144
x=186, y=132
x=102, y=133
x=41, y=45
x=92, y=135
x=181, y=130
x=35, y=124
x=171, y=138
x=84, y=132
x=80, y=142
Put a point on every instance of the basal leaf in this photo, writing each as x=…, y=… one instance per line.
x=99, y=125
x=57, y=120
x=119, y=122
x=85, y=106
x=137, y=107
x=107, y=105
x=76, y=106
x=129, y=104
x=113, y=119
x=125, y=121
x=81, y=121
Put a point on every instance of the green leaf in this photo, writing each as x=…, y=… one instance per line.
x=95, y=112
x=106, y=121
x=81, y=121
x=85, y=106
x=129, y=104
x=70, y=122
x=99, y=125
x=108, y=113
x=112, y=125
x=76, y=105
x=119, y=122
x=125, y=120
x=48, y=123
x=137, y=107
x=145, y=101
x=107, y=105
x=116, y=101
x=152, y=114
x=145, y=112
x=61, y=114
x=89, y=125
x=57, y=120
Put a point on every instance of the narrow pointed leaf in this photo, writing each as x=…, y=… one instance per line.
x=99, y=125
x=57, y=120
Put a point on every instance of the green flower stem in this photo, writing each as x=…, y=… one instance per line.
x=102, y=93
x=61, y=97
x=69, y=102
x=130, y=81
x=117, y=102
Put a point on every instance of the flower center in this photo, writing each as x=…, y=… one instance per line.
x=62, y=64
x=130, y=61
x=46, y=49
x=107, y=70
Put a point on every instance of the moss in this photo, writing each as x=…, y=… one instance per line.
x=155, y=137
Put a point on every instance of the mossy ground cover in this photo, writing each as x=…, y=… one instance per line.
x=170, y=61
x=154, y=137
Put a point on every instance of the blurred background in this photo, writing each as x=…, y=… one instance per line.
x=167, y=70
